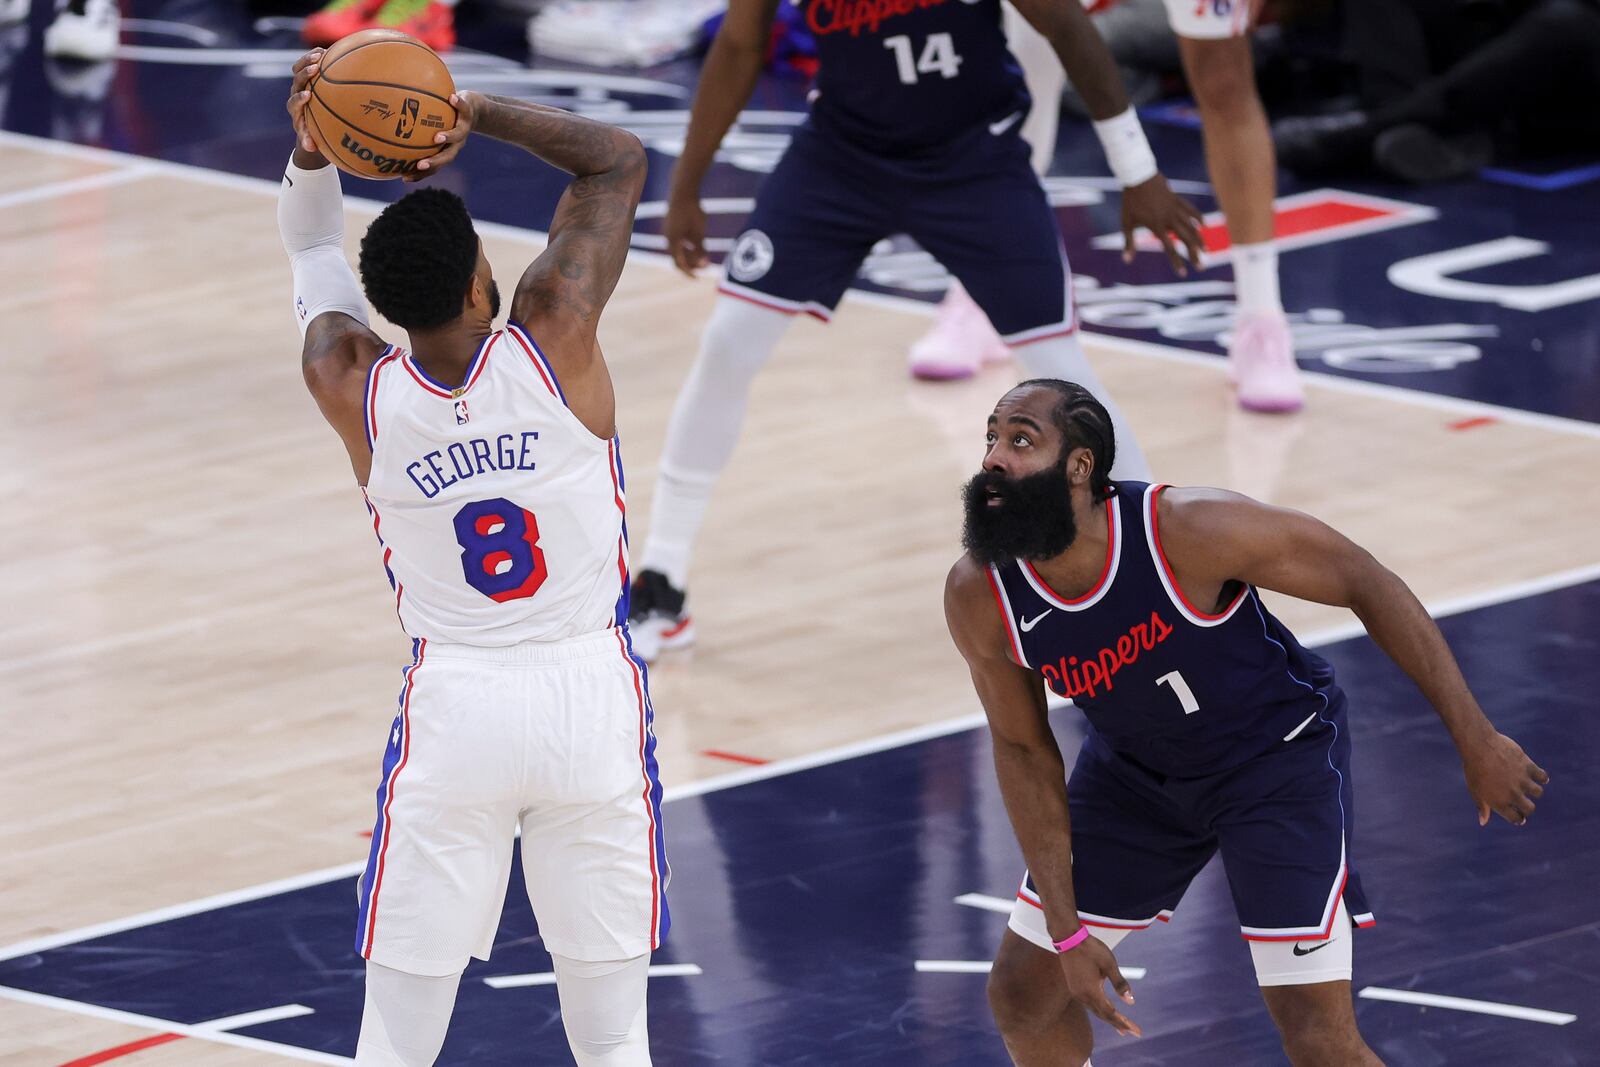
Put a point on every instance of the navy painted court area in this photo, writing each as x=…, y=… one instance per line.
x=806, y=900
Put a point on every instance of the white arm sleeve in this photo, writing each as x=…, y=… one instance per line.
x=311, y=222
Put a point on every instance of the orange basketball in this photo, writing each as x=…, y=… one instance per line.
x=377, y=103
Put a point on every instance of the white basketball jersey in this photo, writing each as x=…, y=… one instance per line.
x=500, y=514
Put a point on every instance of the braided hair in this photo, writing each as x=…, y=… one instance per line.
x=1084, y=423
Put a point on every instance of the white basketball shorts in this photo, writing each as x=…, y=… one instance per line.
x=1201, y=20
x=555, y=739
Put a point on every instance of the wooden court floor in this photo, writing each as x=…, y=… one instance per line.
x=200, y=654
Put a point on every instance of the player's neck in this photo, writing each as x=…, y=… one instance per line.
x=446, y=353
x=1079, y=569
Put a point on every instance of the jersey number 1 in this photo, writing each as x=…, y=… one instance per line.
x=1180, y=687
x=938, y=57
x=500, y=553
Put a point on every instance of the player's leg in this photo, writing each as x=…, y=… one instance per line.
x=962, y=338
x=404, y=1018
x=992, y=227
x=1309, y=998
x=593, y=850
x=816, y=217
x=1239, y=157
x=1028, y=998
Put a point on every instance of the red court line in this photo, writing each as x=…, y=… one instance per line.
x=123, y=1050
x=1474, y=423
x=735, y=757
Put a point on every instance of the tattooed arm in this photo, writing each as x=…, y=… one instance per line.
x=561, y=294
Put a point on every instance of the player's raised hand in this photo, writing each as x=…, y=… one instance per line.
x=305, y=69
x=685, y=230
x=1154, y=206
x=466, y=104
x=1088, y=967
x=1502, y=779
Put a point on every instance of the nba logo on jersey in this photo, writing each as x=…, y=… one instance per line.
x=461, y=413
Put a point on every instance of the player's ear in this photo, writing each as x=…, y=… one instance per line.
x=1080, y=465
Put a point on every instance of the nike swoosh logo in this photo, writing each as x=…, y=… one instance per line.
x=997, y=128
x=289, y=180
x=1029, y=624
x=1298, y=951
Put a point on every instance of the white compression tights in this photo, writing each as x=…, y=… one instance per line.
x=738, y=339
x=602, y=1008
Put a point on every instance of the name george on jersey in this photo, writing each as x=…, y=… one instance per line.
x=436, y=471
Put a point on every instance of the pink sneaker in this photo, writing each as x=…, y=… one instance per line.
x=961, y=341
x=1261, y=364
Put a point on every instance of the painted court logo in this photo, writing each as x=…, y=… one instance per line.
x=751, y=257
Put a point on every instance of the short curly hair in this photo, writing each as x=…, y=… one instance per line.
x=418, y=258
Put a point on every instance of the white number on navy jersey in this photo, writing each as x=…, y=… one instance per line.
x=1180, y=687
x=938, y=57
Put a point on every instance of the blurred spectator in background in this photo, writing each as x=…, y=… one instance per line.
x=1447, y=86
x=82, y=29
x=430, y=21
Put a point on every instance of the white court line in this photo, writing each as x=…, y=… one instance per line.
x=259, y=186
x=1482, y=1007
x=984, y=902
x=199, y=1031
x=1132, y=974
x=255, y=1018
x=51, y=190
x=522, y=981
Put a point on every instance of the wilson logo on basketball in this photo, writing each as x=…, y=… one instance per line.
x=382, y=164
x=408, y=118
x=1072, y=679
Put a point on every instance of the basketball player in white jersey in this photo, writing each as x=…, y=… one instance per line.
x=488, y=461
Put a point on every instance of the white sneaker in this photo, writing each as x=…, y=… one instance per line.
x=657, y=619
x=960, y=342
x=84, y=29
x=1261, y=364
x=14, y=11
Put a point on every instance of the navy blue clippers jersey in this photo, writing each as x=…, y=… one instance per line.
x=905, y=76
x=1163, y=682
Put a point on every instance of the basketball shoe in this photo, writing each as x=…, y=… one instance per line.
x=959, y=343
x=657, y=621
x=1261, y=364
x=339, y=19
x=432, y=23
x=84, y=29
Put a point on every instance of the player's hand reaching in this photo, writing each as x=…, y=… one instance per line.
x=466, y=104
x=685, y=229
x=305, y=68
x=1154, y=206
x=1502, y=779
x=1088, y=967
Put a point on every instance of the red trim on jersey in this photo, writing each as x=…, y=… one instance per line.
x=649, y=808
x=405, y=361
x=622, y=506
x=1105, y=573
x=372, y=394
x=1172, y=579
x=1327, y=931
x=1117, y=926
x=388, y=800
x=388, y=554
x=1005, y=615
x=1369, y=922
x=1025, y=900
x=538, y=363
x=800, y=306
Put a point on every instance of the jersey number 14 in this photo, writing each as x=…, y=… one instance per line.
x=500, y=553
x=938, y=57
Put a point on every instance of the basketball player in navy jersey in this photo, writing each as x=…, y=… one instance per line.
x=488, y=462
x=913, y=129
x=1211, y=729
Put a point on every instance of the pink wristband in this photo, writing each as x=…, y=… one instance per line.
x=1067, y=944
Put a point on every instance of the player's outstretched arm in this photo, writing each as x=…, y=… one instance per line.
x=1033, y=781
x=1147, y=201
x=561, y=294
x=1211, y=537
x=726, y=81
x=337, y=345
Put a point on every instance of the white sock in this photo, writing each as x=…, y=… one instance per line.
x=1255, y=279
x=405, y=1018
x=738, y=339
x=603, y=1010
x=1062, y=357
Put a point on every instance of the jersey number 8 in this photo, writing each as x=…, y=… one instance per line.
x=500, y=553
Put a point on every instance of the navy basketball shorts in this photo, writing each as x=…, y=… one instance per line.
x=976, y=207
x=1282, y=822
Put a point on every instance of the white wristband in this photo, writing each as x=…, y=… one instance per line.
x=1126, y=149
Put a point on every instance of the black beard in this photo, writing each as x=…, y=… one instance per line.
x=494, y=300
x=1032, y=520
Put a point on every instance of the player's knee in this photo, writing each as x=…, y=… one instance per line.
x=1019, y=1000
x=1316, y=1024
x=1222, y=76
x=738, y=338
